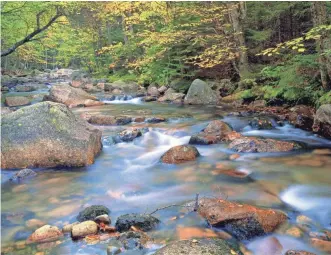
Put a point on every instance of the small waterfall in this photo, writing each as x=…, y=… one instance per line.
x=122, y=99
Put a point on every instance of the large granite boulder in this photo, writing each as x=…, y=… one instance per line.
x=199, y=247
x=200, y=93
x=47, y=134
x=71, y=96
x=322, y=121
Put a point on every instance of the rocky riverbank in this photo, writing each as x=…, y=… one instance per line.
x=202, y=145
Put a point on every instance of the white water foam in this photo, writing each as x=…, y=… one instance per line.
x=123, y=100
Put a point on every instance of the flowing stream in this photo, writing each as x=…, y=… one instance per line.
x=129, y=178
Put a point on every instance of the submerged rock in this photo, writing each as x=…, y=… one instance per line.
x=16, y=101
x=155, y=120
x=240, y=220
x=215, y=132
x=144, y=222
x=199, y=247
x=91, y=212
x=47, y=134
x=25, y=88
x=322, y=121
x=200, y=93
x=253, y=144
x=44, y=234
x=180, y=154
x=83, y=229
x=23, y=174
x=71, y=96
x=109, y=120
x=296, y=252
x=260, y=123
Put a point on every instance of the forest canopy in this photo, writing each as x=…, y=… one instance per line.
x=159, y=42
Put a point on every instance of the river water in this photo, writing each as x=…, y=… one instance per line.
x=129, y=178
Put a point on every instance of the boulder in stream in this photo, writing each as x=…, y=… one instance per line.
x=144, y=222
x=322, y=121
x=71, y=96
x=215, y=132
x=253, y=144
x=199, y=247
x=180, y=154
x=240, y=220
x=47, y=134
x=200, y=93
x=17, y=101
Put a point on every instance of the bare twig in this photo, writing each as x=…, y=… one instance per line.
x=165, y=207
x=196, y=207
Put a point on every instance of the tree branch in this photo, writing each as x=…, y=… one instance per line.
x=30, y=36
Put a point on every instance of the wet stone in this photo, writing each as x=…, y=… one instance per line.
x=144, y=222
x=23, y=174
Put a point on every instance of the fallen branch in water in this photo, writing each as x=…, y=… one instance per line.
x=173, y=205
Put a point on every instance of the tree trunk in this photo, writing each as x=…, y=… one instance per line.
x=323, y=44
x=237, y=14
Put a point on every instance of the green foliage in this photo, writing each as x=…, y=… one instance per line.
x=247, y=94
x=324, y=99
x=294, y=81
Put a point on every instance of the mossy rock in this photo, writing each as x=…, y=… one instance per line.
x=91, y=212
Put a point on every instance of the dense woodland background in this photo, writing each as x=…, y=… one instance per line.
x=277, y=51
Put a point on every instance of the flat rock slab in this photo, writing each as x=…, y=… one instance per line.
x=199, y=247
x=253, y=144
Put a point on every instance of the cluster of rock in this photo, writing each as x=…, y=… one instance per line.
x=94, y=224
x=199, y=93
x=120, y=120
x=300, y=116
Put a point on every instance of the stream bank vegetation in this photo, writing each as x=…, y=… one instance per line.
x=276, y=51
